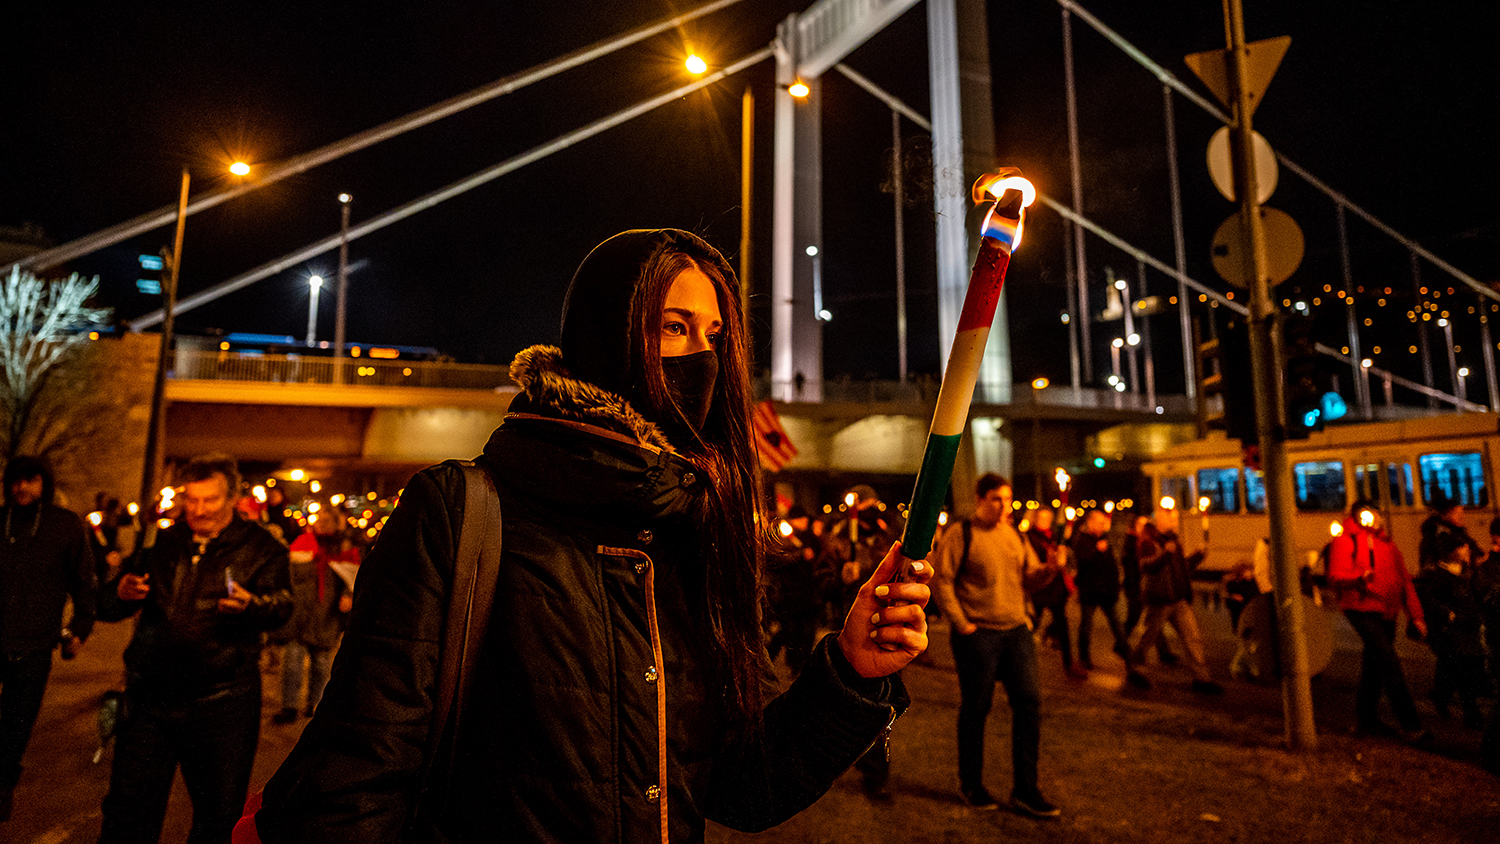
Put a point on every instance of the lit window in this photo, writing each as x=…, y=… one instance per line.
x=1319, y=486
x=1458, y=476
x=1221, y=487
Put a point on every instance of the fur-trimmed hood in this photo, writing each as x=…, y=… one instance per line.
x=548, y=389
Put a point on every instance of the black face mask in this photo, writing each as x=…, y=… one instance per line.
x=690, y=382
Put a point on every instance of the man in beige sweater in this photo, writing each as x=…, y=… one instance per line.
x=978, y=582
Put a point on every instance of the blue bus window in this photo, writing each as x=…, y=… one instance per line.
x=1179, y=490
x=1401, y=486
x=1255, y=491
x=1367, y=481
x=1221, y=488
x=1320, y=486
x=1457, y=476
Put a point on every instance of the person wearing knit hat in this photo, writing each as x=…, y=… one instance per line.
x=618, y=695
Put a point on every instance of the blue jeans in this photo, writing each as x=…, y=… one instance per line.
x=982, y=658
x=318, y=662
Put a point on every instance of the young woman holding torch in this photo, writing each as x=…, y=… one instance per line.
x=619, y=693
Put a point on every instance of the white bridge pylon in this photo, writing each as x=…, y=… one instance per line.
x=806, y=46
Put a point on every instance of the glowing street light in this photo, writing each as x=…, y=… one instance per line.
x=239, y=168
x=315, y=285
x=696, y=65
x=798, y=89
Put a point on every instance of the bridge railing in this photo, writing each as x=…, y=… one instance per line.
x=214, y=365
x=924, y=391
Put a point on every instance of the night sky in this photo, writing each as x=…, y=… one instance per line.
x=1389, y=104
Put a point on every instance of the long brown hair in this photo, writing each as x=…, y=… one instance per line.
x=732, y=538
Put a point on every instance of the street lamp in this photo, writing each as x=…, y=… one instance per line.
x=172, y=263
x=1115, y=381
x=341, y=309
x=315, y=285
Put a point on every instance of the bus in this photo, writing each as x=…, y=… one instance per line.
x=1402, y=465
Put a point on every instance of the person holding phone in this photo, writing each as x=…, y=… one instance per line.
x=206, y=591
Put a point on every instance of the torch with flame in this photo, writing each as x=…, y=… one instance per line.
x=1009, y=194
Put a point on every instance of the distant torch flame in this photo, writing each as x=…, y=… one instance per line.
x=1062, y=478
x=992, y=187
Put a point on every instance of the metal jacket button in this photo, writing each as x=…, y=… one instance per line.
x=651, y=674
x=653, y=794
x=644, y=537
x=640, y=567
x=688, y=479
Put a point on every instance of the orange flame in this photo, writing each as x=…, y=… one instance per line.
x=992, y=186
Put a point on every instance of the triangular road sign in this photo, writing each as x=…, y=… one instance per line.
x=1262, y=59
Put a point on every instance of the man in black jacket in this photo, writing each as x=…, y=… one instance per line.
x=44, y=559
x=206, y=590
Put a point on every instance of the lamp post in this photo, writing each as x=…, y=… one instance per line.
x=314, y=286
x=172, y=262
x=1132, y=339
x=747, y=182
x=1116, y=383
x=341, y=309
x=340, y=312
x=697, y=66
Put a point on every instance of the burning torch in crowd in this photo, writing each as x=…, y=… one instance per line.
x=1008, y=194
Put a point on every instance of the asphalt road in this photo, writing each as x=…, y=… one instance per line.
x=1125, y=765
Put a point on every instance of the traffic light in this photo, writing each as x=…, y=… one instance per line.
x=1224, y=370
x=1311, y=400
x=149, y=281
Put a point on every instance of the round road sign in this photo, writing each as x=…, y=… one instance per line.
x=1284, y=247
x=1266, y=172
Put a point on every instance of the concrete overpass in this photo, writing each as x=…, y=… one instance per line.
x=391, y=417
x=362, y=415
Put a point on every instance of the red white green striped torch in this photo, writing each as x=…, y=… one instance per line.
x=1008, y=194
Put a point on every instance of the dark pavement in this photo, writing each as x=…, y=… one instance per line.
x=1163, y=765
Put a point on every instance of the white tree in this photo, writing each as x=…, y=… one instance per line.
x=42, y=324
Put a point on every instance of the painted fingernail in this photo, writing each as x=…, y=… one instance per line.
x=872, y=633
x=918, y=566
x=875, y=619
x=882, y=591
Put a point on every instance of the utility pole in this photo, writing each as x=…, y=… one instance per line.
x=1266, y=359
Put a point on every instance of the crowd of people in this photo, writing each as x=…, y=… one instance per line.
x=1005, y=576
x=505, y=671
x=207, y=592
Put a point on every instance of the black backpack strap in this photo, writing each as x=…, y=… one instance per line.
x=470, y=599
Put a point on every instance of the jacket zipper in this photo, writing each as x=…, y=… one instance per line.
x=884, y=737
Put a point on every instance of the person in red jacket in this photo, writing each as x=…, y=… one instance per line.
x=1374, y=587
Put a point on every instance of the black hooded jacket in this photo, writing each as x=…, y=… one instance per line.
x=45, y=558
x=596, y=667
